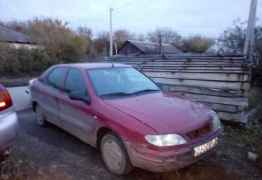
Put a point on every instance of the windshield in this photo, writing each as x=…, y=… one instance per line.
x=120, y=82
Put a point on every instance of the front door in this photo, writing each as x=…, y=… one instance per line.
x=76, y=115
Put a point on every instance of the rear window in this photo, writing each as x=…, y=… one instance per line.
x=56, y=77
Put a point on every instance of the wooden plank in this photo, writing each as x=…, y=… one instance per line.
x=178, y=61
x=240, y=102
x=178, y=58
x=195, y=63
x=181, y=57
x=190, y=71
x=163, y=65
x=192, y=68
x=233, y=117
x=203, y=91
x=208, y=84
x=195, y=71
x=201, y=76
x=222, y=107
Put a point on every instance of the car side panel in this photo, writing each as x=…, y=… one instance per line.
x=77, y=118
x=47, y=98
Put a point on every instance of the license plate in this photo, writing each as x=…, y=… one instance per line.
x=199, y=150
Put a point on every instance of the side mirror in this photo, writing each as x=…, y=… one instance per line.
x=79, y=96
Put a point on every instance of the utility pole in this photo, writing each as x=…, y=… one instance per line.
x=111, y=32
x=250, y=34
x=116, y=48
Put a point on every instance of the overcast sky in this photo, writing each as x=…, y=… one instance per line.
x=188, y=17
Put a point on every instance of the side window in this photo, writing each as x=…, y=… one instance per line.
x=56, y=77
x=75, y=82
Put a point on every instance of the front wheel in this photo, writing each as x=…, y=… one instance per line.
x=114, y=155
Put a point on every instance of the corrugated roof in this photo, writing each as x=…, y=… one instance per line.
x=11, y=36
x=150, y=47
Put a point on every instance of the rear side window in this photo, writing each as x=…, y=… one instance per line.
x=75, y=81
x=56, y=77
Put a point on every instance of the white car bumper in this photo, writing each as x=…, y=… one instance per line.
x=8, y=130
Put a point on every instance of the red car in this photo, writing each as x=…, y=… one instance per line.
x=125, y=115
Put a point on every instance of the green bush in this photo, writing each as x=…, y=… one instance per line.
x=41, y=60
x=15, y=62
x=9, y=61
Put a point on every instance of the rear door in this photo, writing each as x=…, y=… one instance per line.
x=77, y=116
x=50, y=91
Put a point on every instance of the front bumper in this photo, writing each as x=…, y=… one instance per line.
x=8, y=130
x=166, y=160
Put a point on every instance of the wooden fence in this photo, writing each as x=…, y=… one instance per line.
x=222, y=83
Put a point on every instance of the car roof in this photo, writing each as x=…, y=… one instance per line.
x=93, y=65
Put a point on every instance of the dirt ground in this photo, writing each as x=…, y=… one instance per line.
x=50, y=153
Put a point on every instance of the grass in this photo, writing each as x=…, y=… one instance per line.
x=251, y=136
x=13, y=168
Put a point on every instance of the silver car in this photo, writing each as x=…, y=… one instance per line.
x=8, y=122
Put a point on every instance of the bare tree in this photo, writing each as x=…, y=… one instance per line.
x=101, y=44
x=85, y=32
x=234, y=37
x=140, y=37
x=166, y=35
x=121, y=35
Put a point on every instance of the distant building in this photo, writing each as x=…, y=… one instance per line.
x=15, y=39
x=141, y=48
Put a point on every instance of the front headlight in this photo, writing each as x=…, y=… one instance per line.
x=215, y=121
x=165, y=140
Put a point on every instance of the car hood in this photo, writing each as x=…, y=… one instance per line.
x=164, y=113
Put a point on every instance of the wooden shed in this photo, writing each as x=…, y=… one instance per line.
x=15, y=39
x=145, y=48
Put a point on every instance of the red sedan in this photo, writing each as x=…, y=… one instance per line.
x=125, y=115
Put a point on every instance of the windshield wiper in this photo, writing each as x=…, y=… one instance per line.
x=146, y=91
x=116, y=94
x=129, y=93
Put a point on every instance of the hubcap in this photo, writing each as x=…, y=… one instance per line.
x=112, y=155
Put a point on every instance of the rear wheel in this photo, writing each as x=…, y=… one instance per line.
x=40, y=118
x=114, y=155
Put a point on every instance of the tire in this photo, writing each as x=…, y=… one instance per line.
x=40, y=117
x=114, y=155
